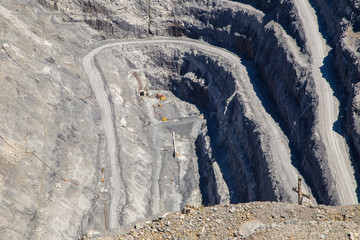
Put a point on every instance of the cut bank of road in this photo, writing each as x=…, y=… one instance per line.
x=336, y=148
x=278, y=147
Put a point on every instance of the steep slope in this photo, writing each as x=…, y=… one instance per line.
x=314, y=150
x=250, y=102
x=50, y=139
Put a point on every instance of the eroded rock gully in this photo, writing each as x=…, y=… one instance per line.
x=94, y=147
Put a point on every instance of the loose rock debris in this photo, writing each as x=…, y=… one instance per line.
x=257, y=220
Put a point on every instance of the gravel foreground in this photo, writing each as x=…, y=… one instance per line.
x=256, y=220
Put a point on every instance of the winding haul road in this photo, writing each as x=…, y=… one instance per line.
x=278, y=148
x=109, y=128
x=336, y=148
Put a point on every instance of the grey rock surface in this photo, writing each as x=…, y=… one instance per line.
x=255, y=96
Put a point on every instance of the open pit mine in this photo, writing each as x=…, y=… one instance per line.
x=113, y=111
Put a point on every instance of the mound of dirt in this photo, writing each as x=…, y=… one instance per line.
x=256, y=220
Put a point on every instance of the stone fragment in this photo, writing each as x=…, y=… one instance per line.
x=248, y=228
x=138, y=226
x=354, y=236
x=291, y=221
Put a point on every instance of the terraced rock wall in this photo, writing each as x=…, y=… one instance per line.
x=287, y=77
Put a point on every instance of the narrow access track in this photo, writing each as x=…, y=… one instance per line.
x=97, y=86
x=279, y=150
x=336, y=148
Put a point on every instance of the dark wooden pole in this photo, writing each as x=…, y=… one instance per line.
x=299, y=191
x=300, y=194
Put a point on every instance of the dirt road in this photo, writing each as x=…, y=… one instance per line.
x=97, y=85
x=336, y=148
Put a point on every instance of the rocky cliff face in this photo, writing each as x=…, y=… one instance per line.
x=87, y=143
x=296, y=100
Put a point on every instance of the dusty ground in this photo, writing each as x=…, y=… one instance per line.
x=256, y=220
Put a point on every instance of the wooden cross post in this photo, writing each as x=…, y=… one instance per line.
x=300, y=194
